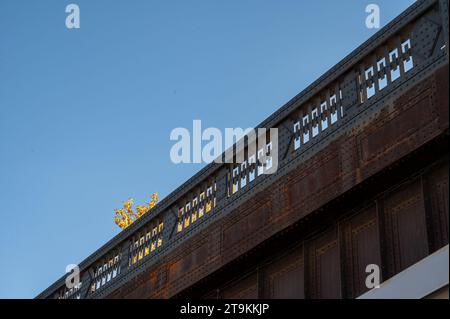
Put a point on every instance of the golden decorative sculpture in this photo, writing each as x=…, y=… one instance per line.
x=125, y=216
x=141, y=210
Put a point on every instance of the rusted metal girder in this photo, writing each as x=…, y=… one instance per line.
x=418, y=117
x=383, y=109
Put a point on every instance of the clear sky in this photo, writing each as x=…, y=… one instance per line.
x=86, y=114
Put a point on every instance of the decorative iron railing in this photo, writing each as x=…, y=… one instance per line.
x=407, y=49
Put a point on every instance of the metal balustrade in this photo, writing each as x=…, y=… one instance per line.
x=409, y=46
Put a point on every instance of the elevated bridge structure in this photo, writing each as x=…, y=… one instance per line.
x=362, y=179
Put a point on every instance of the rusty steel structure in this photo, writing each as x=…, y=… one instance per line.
x=362, y=179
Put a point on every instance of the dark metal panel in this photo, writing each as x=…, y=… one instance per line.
x=436, y=192
x=284, y=277
x=405, y=227
x=360, y=247
x=443, y=8
x=394, y=130
x=244, y=288
x=349, y=92
x=245, y=227
x=441, y=91
x=314, y=181
x=427, y=36
x=323, y=266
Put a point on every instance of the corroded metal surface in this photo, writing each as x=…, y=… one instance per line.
x=311, y=186
x=382, y=111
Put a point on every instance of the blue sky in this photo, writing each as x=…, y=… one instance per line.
x=86, y=114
